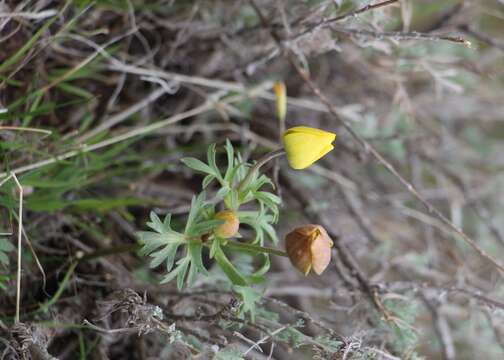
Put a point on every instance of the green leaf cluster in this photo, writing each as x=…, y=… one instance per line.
x=182, y=252
x=234, y=196
x=162, y=243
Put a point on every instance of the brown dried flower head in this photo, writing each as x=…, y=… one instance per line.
x=309, y=247
x=230, y=226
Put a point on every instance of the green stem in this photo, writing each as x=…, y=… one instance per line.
x=256, y=249
x=232, y=244
x=269, y=156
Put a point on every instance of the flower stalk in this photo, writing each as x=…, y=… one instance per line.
x=263, y=160
x=255, y=249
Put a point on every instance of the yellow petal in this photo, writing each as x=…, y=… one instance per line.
x=325, y=150
x=305, y=145
x=322, y=134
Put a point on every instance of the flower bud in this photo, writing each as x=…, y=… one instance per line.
x=305, y=145
x=309, y=247
x=230, y=226
x=281, y=99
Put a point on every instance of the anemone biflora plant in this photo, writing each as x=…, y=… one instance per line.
x=213, y=224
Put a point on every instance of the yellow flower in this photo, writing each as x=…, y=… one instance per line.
x=281, y=99
x=230, y=226
x=309, y=247
x=305, y=145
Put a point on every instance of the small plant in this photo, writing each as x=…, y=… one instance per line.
x=214, y=230
x=218, y=231
x=213, y=225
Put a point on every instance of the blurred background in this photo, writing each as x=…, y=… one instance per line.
x=99, y=101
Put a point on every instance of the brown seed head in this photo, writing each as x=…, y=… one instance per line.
x=230, y=226
x=309, y=247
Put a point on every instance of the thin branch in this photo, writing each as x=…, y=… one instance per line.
x=397, y=35
x=481, y=37
x=354, y=13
